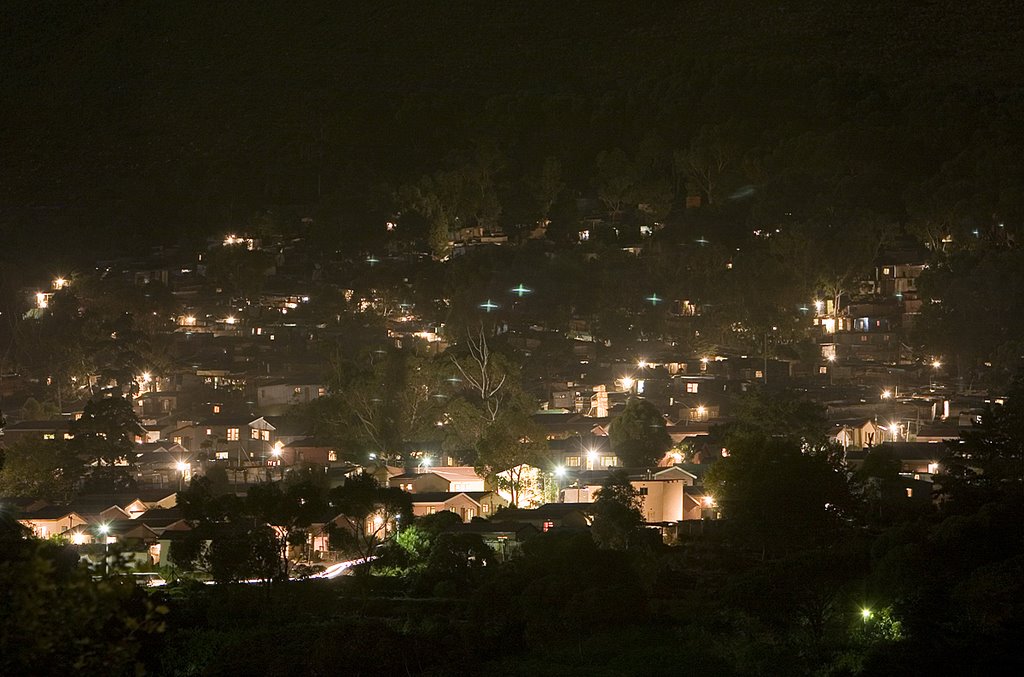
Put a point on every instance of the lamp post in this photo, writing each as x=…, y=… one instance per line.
x=103, y=530
x=831, y=367
x=182, y=467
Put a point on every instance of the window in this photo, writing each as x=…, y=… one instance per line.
x=254, y=434
x=822, y=370
x=548, y=525
x=49, y=436
x=297, y=391
x=642, y=491
x=176, y=439
x=209, y=432
x=910, y=492
x=216, y=408
x=431, y=510
x=222, y=455
x=692, y=387
x=265, y=435
x=607, y=461
x=332, y=455
x=232, y=434
x=758, y=374
x=863, y=338
x=573, y=461
x=485, y=508
x=68, y=436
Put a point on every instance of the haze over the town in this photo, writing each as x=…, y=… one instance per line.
x=536, y=338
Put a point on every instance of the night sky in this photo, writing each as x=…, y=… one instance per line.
x=187, y=118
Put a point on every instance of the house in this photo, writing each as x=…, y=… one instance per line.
x=504, y=538
x=59, y=429
x=440, y=479
x=465, y=504
x=52, y=520
x=281, y=394
x=309, y=450
x=667, y=494
x=155, y=405
x=916, y=458
x=550, y=516
x=857, y=434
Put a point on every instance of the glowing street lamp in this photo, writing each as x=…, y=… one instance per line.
x=230, y=319
x=627, y=382
x=642, y=363
x=560, y=472
x=59, y=283
x=425, y=462
x=886, y=394
x=591, y=458
x=865, y=614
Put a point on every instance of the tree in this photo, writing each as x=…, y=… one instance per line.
x=289, y=509
x=367, y=514
x=705, y=162
x=43, y=469
x=779, y=495
x=618, y=520
x=548, y=186
x=617, y=181
x=55, y=617
x=106, y=431
x=638, y=436
x=988, y=464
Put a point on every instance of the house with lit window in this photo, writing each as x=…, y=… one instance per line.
x=465, y=504
x=439, y=479
x=52, y=520
x=275, y=397
x=59, y=429
x=667, y=494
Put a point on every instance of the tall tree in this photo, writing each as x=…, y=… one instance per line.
x=618, y=520
x=638, y=435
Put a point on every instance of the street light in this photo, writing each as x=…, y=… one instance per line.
x=831, y=367
x=104, y=529
x=592, y=457
x=182, y=468
x=865, y=613
x=627, y=383
x=886, y=394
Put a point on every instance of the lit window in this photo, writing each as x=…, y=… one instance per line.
x=209, y=432
x=176, y=439
x=222, y=455
x=607, y=461
x=297, y=391
x=758, y=374
x=431, y=510
x=573, y=461
x=332, y=455
x=68, y=436
x=49, y=436
x=692, y=387
x=265, y=435
x=863, y=338
x=822, y=370
x=485, y=508
x=254, y=434
x=216, y=408
x=232, y=434
x=910, y=492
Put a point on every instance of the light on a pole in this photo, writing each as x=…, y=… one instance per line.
x=182, y=466
x=886, y=394
x=276, y=451
x=936, y=364
x=865, y=613
x=627, y=382
x=559, y=471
